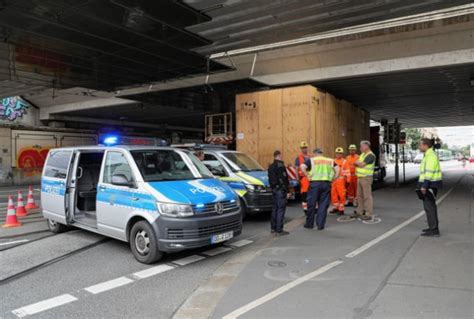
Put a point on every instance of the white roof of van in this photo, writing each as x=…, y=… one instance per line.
x=123, y=147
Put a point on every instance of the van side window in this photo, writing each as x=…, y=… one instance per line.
x=116, y=163
x=212, y=162
x=57, y=165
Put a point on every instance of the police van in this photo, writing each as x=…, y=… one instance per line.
x=159, y=199
x=241, y=172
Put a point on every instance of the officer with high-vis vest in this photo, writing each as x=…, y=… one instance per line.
x=343, y=178
x=429, y=182
x=304, y=182
x=320, y=172
x=365, y=167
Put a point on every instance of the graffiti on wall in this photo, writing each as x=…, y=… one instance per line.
x=12, y=108
x=31, y=159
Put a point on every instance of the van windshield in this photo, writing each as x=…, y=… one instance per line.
x=166, y=165
x=242, y=162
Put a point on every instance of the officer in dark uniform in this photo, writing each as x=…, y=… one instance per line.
x=279, y=184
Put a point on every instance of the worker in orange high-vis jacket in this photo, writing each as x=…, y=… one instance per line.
x=303, y=179
x=338, y=188
x=352, y=186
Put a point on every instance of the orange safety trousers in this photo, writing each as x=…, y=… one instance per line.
x=352, y=190
x=338, y=194
x=352, y=185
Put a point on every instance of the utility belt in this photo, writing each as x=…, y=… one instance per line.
x=319, y=182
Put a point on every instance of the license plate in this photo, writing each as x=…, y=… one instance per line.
x=221, y=237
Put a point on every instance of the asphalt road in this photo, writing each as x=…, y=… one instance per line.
x=104, y=280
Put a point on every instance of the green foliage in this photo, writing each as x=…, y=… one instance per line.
x=413, y=137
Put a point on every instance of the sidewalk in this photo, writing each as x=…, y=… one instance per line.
x=401, y=276
x=436, y=277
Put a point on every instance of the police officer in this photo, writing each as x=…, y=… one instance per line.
x=429, y=182
x=279, y=184
x=320, y=172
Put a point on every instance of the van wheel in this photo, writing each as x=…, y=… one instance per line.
x=56, y=227
x=143, y=243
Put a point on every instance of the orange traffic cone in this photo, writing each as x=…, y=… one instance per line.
x=20, y=207
x=30, y=201
x=11, y=220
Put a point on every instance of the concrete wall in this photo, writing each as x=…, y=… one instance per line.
x=6, y=176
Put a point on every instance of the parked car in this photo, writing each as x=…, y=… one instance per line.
x=418, y=158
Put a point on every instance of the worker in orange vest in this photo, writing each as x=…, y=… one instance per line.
x=338, y=188
x=304, y=182
x=352, y=186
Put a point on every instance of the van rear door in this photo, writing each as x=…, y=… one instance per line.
x=54, y=185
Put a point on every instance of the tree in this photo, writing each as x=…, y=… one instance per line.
x=413, y=137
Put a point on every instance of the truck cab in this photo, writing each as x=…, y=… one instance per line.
x=158, y=199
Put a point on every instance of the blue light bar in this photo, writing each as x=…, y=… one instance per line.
x=110, y=140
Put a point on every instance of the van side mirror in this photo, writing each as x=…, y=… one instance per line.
x=218, y=171
x=121, y=180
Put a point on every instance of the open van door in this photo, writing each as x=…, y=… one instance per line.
x=55, y=183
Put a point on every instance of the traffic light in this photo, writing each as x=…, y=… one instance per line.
x=385, y=134
x=403, y=138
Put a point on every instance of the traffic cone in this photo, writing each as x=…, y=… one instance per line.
x=30, y=201
x=11, y=220
x=20, y=207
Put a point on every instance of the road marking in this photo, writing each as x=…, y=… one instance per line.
x=14, y=242
x=107, y=285
x=216, y=251
x=188, y=260
x=152, y=271
x=240, y=243
x=115, y=283
x=44, y=305
x=275, y=293
x=392, y=231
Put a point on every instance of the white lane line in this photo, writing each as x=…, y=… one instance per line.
x=392, y=231
x=188, y=260
x=44, y=305
x=152, y=271
x=216, y=251
x=107, y=285
x=14, y=242
x=240, y=243
x=275, y=293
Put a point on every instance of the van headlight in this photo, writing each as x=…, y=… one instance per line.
x=175, y=210
x=255, y=188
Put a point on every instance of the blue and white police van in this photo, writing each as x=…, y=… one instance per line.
x=159, y=199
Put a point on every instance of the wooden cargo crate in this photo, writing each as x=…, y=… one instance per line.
x=282, y=118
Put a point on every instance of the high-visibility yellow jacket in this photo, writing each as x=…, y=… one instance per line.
x=321, y=169
x=368, y=169
x=430, y=171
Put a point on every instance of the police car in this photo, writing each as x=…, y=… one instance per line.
x=159, y=199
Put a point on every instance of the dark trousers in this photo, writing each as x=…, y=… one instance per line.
x=278, y=211
x=431, y=210
x=319, y=193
